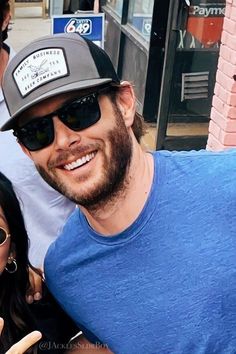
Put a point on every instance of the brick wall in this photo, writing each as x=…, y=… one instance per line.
x=222, y=127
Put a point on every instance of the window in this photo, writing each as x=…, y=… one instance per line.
x=116, y=5
x=140, y=16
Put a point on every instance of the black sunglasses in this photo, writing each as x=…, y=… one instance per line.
x=77, y=115
x=4, y=235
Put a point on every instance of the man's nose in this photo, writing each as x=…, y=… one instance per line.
x=64, y=137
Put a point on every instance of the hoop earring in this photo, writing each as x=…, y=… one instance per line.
x=12, y=266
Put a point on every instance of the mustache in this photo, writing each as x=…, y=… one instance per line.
x=76, y=151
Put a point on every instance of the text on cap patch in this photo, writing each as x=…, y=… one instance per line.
x=40, y=67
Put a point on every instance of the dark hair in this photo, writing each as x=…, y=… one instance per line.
x=4, y=9
x=13, y=287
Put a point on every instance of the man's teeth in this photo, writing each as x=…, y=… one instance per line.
x=79, y=162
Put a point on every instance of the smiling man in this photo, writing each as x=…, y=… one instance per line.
x=146, y=263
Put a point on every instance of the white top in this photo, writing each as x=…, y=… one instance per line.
x=45, y=210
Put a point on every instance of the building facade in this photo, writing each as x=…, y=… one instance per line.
x=169, y=50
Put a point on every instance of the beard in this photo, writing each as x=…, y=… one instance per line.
x=112, y=183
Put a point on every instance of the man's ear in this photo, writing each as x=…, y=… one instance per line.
x=126, y=102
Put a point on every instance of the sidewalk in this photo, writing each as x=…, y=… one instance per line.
x=27, y=26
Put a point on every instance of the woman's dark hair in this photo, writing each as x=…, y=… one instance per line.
x=13, y=287
x=4, y=9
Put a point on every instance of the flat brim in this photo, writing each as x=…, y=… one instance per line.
x=81, y=85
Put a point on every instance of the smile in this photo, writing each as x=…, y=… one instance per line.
x=80, y=162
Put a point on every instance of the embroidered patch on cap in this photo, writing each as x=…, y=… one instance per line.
x=40, y=67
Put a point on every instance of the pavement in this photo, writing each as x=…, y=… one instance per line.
x=27, y=25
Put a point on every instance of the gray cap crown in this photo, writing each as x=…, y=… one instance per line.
x=50, y=66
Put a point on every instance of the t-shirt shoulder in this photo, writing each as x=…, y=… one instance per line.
x=196, y=153
x=210, y=159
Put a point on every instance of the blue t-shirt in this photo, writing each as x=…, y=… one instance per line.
x=167, y=284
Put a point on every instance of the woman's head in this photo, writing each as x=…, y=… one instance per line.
x=11, y=220
x=13, y=285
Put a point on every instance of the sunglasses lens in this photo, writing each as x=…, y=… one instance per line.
x=82, y=113
x=77, y=115
x=3, y=236
x=37, y=134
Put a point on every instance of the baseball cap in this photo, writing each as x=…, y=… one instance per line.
x=50, y=66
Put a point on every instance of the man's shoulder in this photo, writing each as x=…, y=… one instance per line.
x=197, y=154
x=197, y=168
x=223, y=159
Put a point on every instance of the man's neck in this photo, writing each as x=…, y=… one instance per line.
x=118, y=214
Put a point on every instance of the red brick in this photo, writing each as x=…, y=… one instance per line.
x=229, y=25
x=213, y=144
x=229, y=40
x=225, y=123
x=220, y=63
x=217, y=87
x=232, y=11
x=230, y=125
x=218, y=118
x=229, y=112
x=231, y=100
x=218, y=103
x=227, y=54
x=227, y=67
x=224, y=37
x=214, y=129
x=222, y=93
x=227, y=138
x=233, y=89
x=228, y=83
x=228, y=10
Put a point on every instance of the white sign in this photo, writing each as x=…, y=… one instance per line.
x=38, y=68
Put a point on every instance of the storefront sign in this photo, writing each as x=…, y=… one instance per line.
x=207, y=10
x=143, y=24
x=205, y=21
x=88, y=25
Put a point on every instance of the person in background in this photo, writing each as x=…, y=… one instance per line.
x=89, y=5
x=72, y=6
x=45, y=210
x=20, y=317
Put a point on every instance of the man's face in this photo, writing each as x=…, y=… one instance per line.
x=88, y=166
